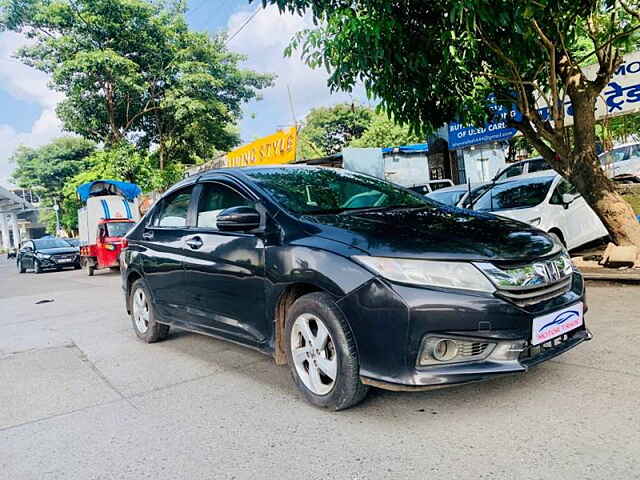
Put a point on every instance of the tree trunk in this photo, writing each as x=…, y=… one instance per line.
x=586, y=174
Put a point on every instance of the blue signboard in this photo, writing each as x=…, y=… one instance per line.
x=461, y=136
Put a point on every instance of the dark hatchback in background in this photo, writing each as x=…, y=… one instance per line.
x=48, y=253
x=403, y=294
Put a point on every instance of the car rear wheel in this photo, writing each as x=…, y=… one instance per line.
x=90, y=268
x=143, y=317
x=21, y=268
x=322, y=354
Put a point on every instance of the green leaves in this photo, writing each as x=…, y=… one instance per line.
x=132, y=70
x=327, y=130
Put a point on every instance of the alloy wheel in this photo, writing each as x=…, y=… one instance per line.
x=141, y=310
x=314, y=354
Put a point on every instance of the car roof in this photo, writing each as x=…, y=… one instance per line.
x=623, y=145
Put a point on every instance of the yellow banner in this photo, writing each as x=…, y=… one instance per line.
x=271, y=150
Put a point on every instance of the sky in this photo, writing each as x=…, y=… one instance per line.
x=27, y=105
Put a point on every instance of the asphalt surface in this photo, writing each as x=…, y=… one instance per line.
x=82, y=398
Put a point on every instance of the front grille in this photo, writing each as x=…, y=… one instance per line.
x=471, y=349
x=531, y=352
x=523, y=298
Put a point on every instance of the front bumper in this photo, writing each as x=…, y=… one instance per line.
x=47, y=263
x=430, y=378
x=389, y=323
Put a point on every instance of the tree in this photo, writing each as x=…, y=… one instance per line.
x=384, y=132
x=431, y=62
x=47, y=168
x=327, y=130
x=122, y=162
x=132, y=70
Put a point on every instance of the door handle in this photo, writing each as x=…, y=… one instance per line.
x=147, y=235
x=194, y=243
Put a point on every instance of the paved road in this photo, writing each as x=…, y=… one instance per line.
x=82, y=398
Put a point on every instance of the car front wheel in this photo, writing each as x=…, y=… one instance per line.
x=36, y=267
x=21, y=268
x=143, y=317
x=322, y=354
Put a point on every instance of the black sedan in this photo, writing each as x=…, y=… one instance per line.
x=47, y=253
x=403, y=293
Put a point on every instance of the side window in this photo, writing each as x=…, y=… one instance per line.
x=620, y=154
x=173, y=210
x=561, y=188
x=512, y=171
x=538, y=165
x=215, y=198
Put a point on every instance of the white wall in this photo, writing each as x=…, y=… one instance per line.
x=483, y=162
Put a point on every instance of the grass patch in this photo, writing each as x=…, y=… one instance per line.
x=634, y=201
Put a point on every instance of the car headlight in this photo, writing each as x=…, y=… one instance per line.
x=430, y=273
x=43, y=256
x=535, y=221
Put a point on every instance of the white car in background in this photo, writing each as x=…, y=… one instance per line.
x=622, y=163
x=546, y=201
x=522, y=168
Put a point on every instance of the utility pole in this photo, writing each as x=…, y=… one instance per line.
x=56, y=208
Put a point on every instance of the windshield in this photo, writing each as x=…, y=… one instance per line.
x=451, y=197
x=45, y=243
x=323, y=190
x=118, y=229
x=517, y=194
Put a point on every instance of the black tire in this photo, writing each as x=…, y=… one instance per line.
x=347, y=390
x=36, y=267
x=90, y=269
x=21, y=268
x=155, y=331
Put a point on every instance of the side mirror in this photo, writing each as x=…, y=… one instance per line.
x=238, y=219
x=567, y=198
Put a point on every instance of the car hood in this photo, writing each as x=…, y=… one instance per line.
x=521, y=214
x=436, y=233
x=58, y=250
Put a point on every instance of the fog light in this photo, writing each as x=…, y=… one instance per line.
x=445, y=350
x=438, y=350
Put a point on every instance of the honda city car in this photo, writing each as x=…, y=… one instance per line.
x=403, y=293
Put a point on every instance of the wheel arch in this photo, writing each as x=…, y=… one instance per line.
x=286, y=299
x=131, y=277
x=560, y=235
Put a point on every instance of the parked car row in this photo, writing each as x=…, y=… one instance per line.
x=531, y=192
